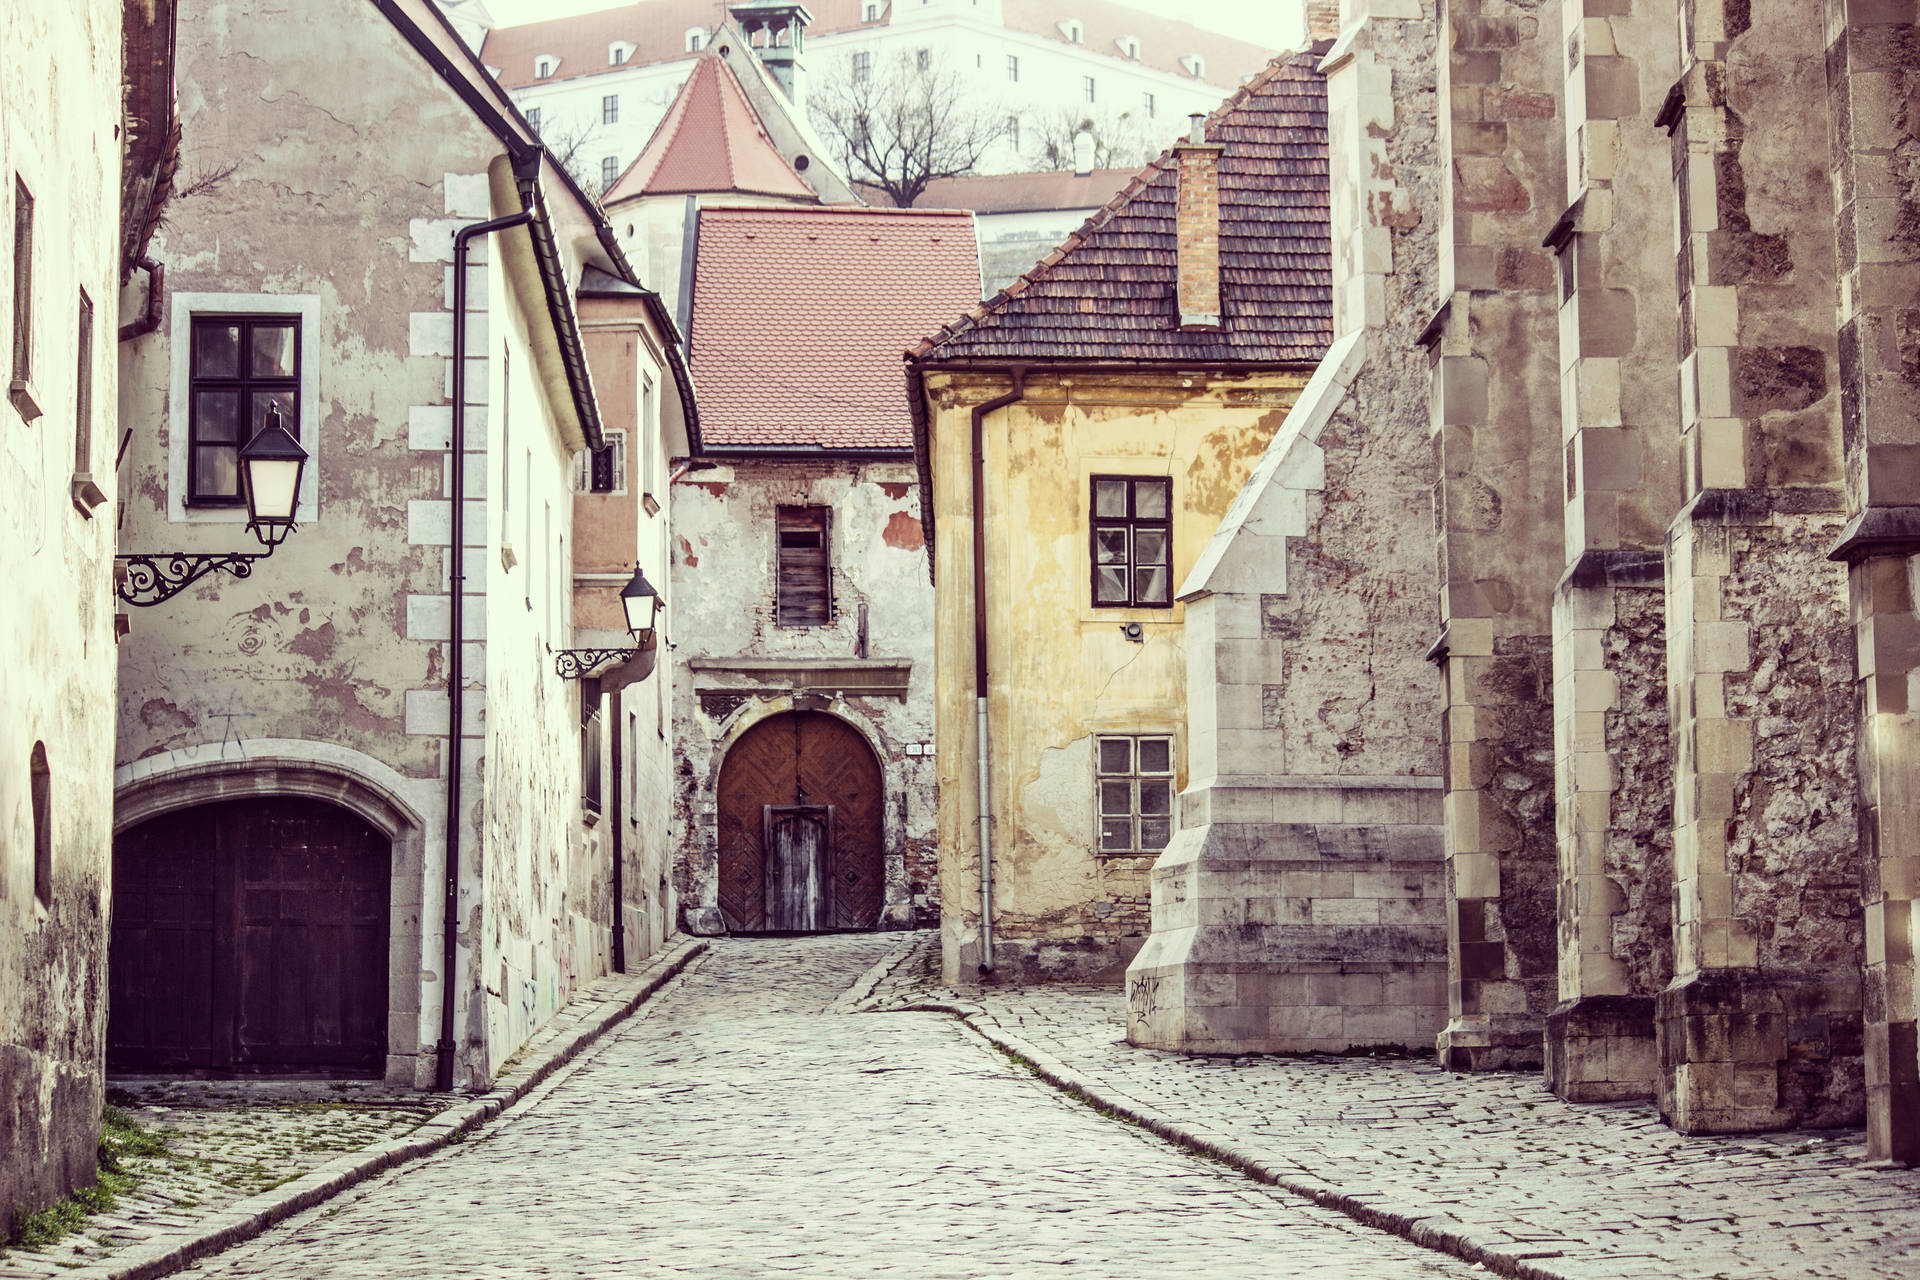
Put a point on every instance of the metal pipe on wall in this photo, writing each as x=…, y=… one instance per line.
x=456, y=564
x=982, y=752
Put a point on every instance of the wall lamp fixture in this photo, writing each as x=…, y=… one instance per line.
x=270, y=467
x=642, y=602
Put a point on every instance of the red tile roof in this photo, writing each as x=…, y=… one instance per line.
x=710, y=140
x=658, y=29
x=1108, y=291
x=800, y=314
x=1014, y=192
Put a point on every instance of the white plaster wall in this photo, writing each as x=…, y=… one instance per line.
x=59, y=124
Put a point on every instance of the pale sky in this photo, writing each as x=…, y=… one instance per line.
x=1271, y=22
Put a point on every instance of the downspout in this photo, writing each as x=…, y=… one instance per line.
x=981, y=750
x=619, y=845
x=450, y=919
x=149, y=319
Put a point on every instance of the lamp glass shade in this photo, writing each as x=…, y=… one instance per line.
x=641, y=601
x=270, y=467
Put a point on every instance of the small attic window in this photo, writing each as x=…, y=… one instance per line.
x=1196, y=66
x=1072, y=30
x=696, y=39
x=1130, y=46
x=619, y=51
x=545, y=65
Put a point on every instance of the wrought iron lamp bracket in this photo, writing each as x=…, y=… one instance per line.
x=576, y=664
x=148, y=580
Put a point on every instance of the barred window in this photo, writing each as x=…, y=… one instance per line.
x=602, y=470
x=1135, y=793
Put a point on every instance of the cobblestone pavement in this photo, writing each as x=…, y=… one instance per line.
x=735, y=1127
x=1579, y=1190
x=225, y=1142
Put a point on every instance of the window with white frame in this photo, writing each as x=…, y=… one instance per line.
x=1072, y=30
x=1086, y=87
x=696, y=39
x=619, y=51
x=545, y=65
x=602, y=470
x=1149, y=105
x=872, y=13
x=1134, y=786
x=1013, y=67
x=1195, y=65
x=1130, y=46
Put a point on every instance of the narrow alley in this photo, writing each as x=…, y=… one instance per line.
x=737, y=1127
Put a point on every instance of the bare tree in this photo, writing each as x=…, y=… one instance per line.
x=567, y=146
x=903, y=124
x=1120, y=140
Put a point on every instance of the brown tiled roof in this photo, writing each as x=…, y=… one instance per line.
x=800, y=313
x=1108, y=291
x=658, y=28
x=1014, y=192
x=710, y=140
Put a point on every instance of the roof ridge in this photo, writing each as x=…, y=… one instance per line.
x=1101, y=217
x=815, y=210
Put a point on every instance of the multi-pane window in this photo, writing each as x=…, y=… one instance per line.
x=83, y=392
x=239, y=366
x=1086, y=87
x=542, y=68
x=610, y=109
x=1013, y=131
x=22, y=287
x=1013, y=67
x=803, y=595
x=609, y=170
x=922, y=59
x=602, y=470
x=1133, y=541
x=862, y=66
x=1149, y=106
x=1135, y=793
x=533, y=119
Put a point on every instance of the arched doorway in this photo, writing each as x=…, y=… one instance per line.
x=801, y=827
x=250, y=936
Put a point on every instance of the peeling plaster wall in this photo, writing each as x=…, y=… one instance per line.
x=60, y=90
x=1062, y=671
x=339, y=640
x=723, y=575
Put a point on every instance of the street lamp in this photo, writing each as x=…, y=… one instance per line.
x=271, y=466
x=641, y=600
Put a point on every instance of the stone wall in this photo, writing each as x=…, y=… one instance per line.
x=60, y=94
x=733, y=664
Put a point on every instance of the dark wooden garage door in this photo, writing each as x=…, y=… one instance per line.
x=810, y=760
x=250, y=936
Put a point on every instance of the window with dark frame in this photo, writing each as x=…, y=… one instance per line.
x=1134, y=791
x=22, y=282
x=610, y=109
x=862, y=66
x=609, y=170
x=590, y=789
x=1132, y=543
x=40, y=788
x=237, y=367
x=533, y=119
x=803, y=595
x=1086, y=85
x=602, y=470
x=1013, y=67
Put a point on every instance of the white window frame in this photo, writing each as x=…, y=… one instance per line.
x=544, y=66
x=619, y=52
x=694, y=39
x=616, y=440
x=184, y=307
x=1133, y=777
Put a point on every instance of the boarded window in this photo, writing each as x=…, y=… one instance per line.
x=802, y=594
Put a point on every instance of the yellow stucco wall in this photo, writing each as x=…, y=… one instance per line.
x=1062, y=670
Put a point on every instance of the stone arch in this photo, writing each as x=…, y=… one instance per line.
x=401, y=809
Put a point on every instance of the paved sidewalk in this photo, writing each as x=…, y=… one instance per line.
x=1493, y=1168
x=243, y=1155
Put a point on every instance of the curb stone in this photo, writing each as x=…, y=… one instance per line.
x=850, y=1000
x=1444, y=1235
x=250, y=1217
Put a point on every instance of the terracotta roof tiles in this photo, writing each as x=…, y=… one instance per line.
x=800, y=314
x=710, y=140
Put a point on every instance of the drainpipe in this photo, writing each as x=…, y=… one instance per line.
x=149, y=319
x=619, y=844
x=450, y=921
x=980, y=740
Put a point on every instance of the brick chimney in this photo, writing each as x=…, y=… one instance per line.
x=1323, y=20
x=1197, y=229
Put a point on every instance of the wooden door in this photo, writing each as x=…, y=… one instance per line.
x=802, y=759
x=799, y=871
x=282, y=904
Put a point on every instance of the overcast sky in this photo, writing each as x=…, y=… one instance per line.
x=1270, y=22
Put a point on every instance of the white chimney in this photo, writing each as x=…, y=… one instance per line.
x=1083, y=153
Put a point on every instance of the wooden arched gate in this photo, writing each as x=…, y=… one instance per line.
x=802, y=828
x=250, y=936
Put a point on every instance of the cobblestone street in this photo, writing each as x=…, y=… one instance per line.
x=734, y=1127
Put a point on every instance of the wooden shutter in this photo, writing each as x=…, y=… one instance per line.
x=802, y=595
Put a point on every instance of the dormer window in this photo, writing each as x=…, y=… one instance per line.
x=545, y=65
x=873, y=13
x=1195, y=65
x=1130, y=47
x=696, y=39
x=619, y=51
x=1072, y=30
